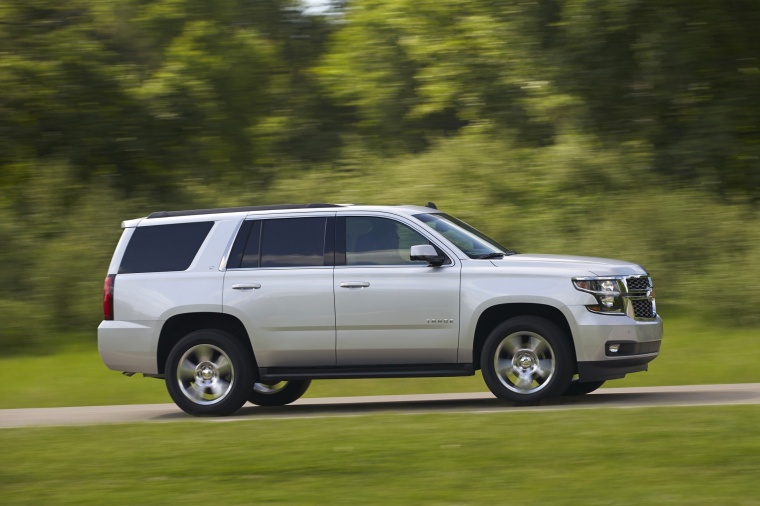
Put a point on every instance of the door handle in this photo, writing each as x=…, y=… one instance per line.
x=354, y=284
x=251, y=286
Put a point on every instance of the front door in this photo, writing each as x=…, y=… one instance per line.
x=389, y=309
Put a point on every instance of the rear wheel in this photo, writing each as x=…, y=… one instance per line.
x=577, y=388
x=277, y=394
x=208, y=373
x=527, y=359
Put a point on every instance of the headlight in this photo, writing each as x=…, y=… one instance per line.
x=606, y=291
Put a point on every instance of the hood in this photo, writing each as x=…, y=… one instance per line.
x=580, y=265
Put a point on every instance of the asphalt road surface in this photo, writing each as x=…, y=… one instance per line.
x=477, y=402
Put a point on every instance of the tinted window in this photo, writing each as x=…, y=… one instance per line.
x=379, y=241
x=163, y=248
x=245, y=249
x=293, y=242
x=251, y=253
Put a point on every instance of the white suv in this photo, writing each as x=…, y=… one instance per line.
x=251, y=304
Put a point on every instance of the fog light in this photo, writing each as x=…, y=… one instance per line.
x=613, y=348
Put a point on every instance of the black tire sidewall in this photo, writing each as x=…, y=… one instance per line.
x=241, y=362
x=554, y=336
x=290, y=393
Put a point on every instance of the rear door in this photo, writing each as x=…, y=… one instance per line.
x=279, y=283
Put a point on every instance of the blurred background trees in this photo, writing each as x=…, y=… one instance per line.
x=622, y=128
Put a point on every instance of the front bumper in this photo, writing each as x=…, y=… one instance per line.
x=636, y=343
x=613, y=369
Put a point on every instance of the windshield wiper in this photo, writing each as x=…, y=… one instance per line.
x=490, y=255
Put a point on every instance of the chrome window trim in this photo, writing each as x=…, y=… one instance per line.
x=290, y=267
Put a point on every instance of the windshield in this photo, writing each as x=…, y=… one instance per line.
x=471, y=241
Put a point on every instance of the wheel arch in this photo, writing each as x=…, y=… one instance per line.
x=499, y=313
x=178, y=326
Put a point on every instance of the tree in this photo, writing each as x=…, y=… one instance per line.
x=416, y=70
x=683, y=76
x=149, y=93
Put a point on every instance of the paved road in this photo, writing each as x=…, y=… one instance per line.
x=478, y=402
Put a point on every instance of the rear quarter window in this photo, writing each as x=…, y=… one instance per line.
x=164, y=248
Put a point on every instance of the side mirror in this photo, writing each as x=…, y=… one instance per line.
x=426, y=253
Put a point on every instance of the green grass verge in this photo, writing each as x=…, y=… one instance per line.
x=693, y=352
x=696, y=456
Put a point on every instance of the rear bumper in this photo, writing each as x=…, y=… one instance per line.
x=128, y=346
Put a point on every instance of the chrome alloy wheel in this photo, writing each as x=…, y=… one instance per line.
x=270, y=388
x=277, y=393
x=524, y=362
x=205, y=374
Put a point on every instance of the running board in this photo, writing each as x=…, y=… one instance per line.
x=273, y=374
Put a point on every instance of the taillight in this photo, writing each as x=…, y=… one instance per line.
x=108, y=297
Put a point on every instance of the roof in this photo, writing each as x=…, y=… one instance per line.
x=279, y=207
x=193, y=212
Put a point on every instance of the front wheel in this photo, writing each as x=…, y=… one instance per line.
x=527, y=359
x=277, y=394
x=209, y=373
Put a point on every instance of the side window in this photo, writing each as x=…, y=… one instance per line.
x=379, y=241
x=245, y=249
x=292, y=242
x=164, y=248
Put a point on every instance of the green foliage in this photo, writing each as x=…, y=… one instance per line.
x=414, y=70
x=682, y=75
x=604, y=127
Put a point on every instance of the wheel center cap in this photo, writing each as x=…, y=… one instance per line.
x=205, y=371
x=525, y=361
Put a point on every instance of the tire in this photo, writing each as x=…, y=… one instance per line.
x=277, y=394
x=527, y=359
x=209, y=373
x=578, y=388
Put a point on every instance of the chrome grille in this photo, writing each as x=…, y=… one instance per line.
x=643, y=308
x=637, y=283
x=640, y=298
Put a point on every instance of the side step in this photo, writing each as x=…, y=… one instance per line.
x=274, y=374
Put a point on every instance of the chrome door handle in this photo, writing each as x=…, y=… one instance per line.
x=354, y=284
x=251, y=286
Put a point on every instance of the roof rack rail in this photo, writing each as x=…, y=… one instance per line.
x=194, y=212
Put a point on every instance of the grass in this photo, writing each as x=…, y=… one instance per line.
x=693, y=352
x=696, y=456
